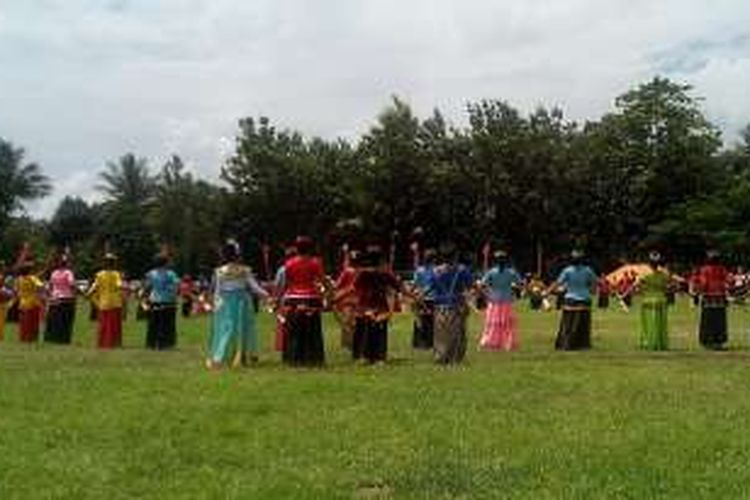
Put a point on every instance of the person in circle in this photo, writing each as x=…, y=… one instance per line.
x=576, y=283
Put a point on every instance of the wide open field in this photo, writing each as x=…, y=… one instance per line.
x=611, y=423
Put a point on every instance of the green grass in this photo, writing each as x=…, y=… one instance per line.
x=611, y=423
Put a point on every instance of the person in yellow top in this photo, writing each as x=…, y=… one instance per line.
x=29, y=289
x=6, y=296
x=106, y=293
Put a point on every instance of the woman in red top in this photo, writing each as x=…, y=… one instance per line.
x=302, y=303
x=712, y=281
x=372, y=284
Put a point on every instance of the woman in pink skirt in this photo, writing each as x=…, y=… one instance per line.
x=500, y=321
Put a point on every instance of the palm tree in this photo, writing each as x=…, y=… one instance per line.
x=19, y=182
x=128, y=181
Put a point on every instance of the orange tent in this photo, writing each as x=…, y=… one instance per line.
x=639, y=270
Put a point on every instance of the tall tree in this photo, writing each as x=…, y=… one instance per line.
x=19, y=181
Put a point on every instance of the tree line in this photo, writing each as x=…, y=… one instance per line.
x=652, y=173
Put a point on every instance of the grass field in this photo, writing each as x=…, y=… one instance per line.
x=610, y=423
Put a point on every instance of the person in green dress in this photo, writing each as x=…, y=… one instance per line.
x=653, y=288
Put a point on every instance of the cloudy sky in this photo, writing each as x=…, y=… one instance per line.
x=84, y=81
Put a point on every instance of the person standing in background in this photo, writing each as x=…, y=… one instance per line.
x=161, y=285
x=29, y=290
x=62, y=306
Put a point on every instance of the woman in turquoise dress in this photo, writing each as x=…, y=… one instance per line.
x=233, y=338
x=653, y=288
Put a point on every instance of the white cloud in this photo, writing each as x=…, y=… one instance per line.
x=85, y=81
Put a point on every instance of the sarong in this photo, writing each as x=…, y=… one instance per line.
x=575, y=327
x=654, y=331
x=161, y=332
x=28, y=324
x=60, y=318
x=450, y=333
x=713, y=325
x=370, y=339
x=109, y=328
x=499, y=328
x=304, y=343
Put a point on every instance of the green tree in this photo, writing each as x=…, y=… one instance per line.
x=19, y=182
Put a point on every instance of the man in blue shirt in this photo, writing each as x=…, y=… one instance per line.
x=161, y=286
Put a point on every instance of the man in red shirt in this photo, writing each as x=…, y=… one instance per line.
x=712, y=280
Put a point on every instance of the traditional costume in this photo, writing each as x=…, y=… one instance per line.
x=345, y=304
x=450, y=283
x=500, y=321
x=107, y=294
x=424, y=323
x=371, y=286
x=302, y=304
x=162, y=285
x=578, y=281
x=30, y=307
x=712, y=284
x=234, y=337
x=654, y=332
x=62, y=306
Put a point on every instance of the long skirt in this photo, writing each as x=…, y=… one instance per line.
x=713, y=326
x=233, y=332
x=450, y=334
x=654, y=331
x=3, y=312
x=575, y=327
x=110, y=328
x=304, y=346
x=499, y=328
x=28, y=324
x=161, y=333
x=60, y=318
x=423, y=336
x=370, y=339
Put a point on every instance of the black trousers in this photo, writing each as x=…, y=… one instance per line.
x=370, y=339
x=162, y=331
x=60, y=318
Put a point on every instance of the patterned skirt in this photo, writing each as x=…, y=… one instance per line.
x=499, y=328
x=450, y=333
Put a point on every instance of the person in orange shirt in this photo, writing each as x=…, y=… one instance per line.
x=29, y=292
x=106, y=293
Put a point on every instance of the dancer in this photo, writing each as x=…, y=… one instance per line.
x=712, y=281
x=29, y=290
x=500, y=320
x=654, y=288
x=161, y=287
x=578, y=281
x=424, y=324
x=62, y=305
x=345, y=298
x=302, y=303
x=372, y=284
x=6, y=297
x=451, y=282
x=234, y=337
x=107, y=294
